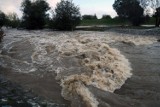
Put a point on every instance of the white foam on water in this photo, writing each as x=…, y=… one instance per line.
x=104, y=67
x=70, y=88
x=108, y=68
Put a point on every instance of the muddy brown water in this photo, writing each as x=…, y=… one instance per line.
x=141, y=90
x=144, y=85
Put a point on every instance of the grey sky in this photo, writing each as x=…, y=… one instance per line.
x=98, y=7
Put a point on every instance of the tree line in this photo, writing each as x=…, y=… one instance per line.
x=67, y=16
x=132, y=10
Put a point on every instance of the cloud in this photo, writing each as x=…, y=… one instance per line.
x=98, y=11
x=9, y=6
x=53, y=3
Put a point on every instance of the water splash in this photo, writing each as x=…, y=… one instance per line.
x=103, y=67
x=80, y=59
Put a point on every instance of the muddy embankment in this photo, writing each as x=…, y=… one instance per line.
x=92, y=69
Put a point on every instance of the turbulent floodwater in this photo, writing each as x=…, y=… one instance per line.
x=78, y=62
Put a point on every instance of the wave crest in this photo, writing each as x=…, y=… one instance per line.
x=101, y=66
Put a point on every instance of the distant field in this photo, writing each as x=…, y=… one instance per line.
x=111, y=22
x=102, y=22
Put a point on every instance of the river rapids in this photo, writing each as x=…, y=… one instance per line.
x=80, y=61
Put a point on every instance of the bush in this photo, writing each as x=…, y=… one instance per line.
x=89, y=17
x=1, y=34
x=67, y=16
x=106, y=17
x=2, y=19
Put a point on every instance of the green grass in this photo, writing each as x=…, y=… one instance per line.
x=111, y=22
x=151, y=21
x=103, y=22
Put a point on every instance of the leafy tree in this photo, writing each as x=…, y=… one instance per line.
x=152, y=8
x=106, y=17
x=157, y=16
x=67, y=16
x=149, y=6
x=129, y=9
x=49, y=20
x=89, y=17
x=2, y=19
x=12, y=20
x=95, y=16
x=34, y=14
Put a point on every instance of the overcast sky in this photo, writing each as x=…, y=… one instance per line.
x=98, y=7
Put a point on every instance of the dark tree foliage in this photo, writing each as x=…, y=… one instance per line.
x=67, y=15
x=131, y=10
x=2, y=19
x=49, y=20
x=157, y=16
x=89, y=17
x=106, y=17
x=1, y=35
x=12, y=20
x=34, y=14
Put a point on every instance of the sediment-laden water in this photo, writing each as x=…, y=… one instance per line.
x=80, y=67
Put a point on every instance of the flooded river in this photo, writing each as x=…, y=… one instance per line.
x=83, y=68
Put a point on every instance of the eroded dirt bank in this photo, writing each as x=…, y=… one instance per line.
x=84, y=68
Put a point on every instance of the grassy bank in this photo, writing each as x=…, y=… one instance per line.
x=115, y=21
x=103, y=22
